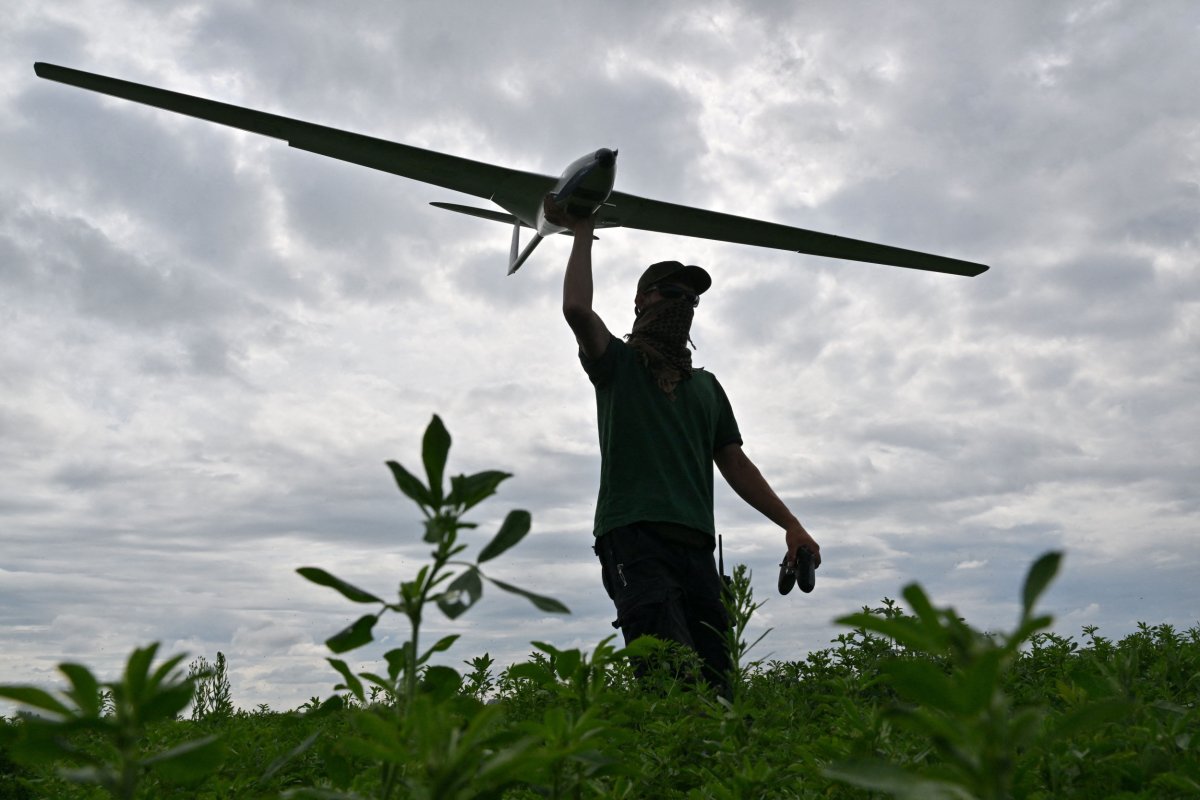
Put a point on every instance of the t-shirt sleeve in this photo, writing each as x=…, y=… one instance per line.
x=600, y=370
x=726, y=431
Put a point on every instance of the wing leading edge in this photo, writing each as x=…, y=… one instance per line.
x=655, y=215
x=518, y=192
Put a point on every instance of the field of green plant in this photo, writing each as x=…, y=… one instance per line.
x=911, y=701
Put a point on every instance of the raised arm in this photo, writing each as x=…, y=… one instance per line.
x=590, y=331
x=745, y=479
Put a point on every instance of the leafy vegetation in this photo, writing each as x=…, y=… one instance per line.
x=212, y=695
x=909, y=702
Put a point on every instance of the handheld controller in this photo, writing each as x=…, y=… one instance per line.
x=802, y=571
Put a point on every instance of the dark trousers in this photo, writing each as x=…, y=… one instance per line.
x=669, y=590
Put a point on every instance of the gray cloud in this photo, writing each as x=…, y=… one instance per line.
x=212, y=342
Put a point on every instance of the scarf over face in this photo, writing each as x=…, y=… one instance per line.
x=660, y=335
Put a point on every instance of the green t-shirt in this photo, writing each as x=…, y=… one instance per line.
x=656, y=453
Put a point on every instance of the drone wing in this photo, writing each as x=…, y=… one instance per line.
x=655, y=215
x=519, y=192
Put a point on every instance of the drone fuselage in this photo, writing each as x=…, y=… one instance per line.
x=581, y=189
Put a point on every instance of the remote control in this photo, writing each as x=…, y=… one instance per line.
x=803, y=571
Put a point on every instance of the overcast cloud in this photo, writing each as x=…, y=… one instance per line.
x=212, y=342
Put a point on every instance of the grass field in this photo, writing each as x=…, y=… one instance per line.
x=911, y=701
x=577, y=725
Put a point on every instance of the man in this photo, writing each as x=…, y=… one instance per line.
x=662, y=426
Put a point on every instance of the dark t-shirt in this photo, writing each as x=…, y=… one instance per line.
x=656, y=453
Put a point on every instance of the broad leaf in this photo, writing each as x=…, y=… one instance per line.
x=1027, y=629
x=467, y=584
x=38, y=698
x=355, y=635
x=548, y=604
x=470, y=490
x=564, y=662
x=919, y=602
x=441, y=682
x=642, y=647
x=353, y=684
x=85, y=688
x=410, y=485
x=349, y=591
x=923, y=683
x=515, y=526
x=167, y=702
x=907, y=631
x=164, y=672
x=396, y=660
x=529, y=671
x=546, y=648
x=442, y=645
x=387, y=687
x=434, y=450
x=1039, y=577
x=138, y=668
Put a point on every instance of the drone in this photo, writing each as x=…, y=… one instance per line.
x=585, y=187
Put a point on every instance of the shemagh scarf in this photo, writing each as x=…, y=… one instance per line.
x=660, y=335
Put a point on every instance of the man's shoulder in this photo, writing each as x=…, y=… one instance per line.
x=708, y=387
x=601, y=369
x=705, y=377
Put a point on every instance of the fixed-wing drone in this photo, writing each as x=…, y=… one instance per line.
x=585, y=187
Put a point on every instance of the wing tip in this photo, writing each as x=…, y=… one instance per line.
x=940, y=264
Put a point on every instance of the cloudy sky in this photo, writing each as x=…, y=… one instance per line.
x=211, y=343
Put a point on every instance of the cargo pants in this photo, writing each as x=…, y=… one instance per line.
x=669, y=590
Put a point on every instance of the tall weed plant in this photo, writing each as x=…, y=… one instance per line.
x=428, y=737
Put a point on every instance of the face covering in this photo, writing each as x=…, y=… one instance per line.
x=660, y=335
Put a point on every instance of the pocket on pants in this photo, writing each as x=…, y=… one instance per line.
x=642, y=589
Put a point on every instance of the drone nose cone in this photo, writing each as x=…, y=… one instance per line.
x=605, y=157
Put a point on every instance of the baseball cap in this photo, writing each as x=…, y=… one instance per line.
x=691, y=276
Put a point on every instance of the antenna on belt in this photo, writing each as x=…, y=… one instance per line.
x=721, y=562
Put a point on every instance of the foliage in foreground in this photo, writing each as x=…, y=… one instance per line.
x=906, y=704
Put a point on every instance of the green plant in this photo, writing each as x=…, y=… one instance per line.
x=479, y=681
x=740, y=608
x=443, y=513
x=426, y=722
x=831, y=706
x=213, y=697
x=575, y=736
x=951, y=678
x=108, y=749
